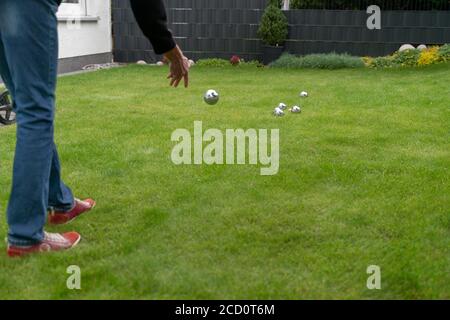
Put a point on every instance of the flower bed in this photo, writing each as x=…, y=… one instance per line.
x=411, y=58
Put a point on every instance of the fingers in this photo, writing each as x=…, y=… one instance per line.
x=172, y=82
x=186, y=80
x=176, y=83
x=186, y=73
x=175, y=80
x=179, y=71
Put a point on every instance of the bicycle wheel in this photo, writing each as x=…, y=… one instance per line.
x=7, y=115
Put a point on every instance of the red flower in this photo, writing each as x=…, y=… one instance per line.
x=235, y=60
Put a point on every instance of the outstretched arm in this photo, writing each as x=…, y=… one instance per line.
x=152, y=19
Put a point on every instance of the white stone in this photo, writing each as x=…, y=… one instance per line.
x=406, y=47
x=422, y=47
x=141, y=62
x=191, y=63
x=160, y=63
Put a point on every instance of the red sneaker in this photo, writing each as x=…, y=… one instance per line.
x=51, y=242
x=81, y=206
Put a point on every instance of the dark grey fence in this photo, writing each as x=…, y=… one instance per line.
x=203, y=28
x=363, y=4
x=222, y=28
x=316, y=31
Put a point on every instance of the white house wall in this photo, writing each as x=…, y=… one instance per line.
x=88, y=40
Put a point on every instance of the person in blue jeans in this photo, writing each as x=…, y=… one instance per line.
x=28, y=67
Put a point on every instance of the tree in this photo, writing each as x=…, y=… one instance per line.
x=273, y=29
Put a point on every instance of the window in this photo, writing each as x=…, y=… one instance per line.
x=70, y=8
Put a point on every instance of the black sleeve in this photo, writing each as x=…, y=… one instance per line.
x=152, y=19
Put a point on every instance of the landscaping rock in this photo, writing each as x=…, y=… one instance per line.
x=141, y=62
x=100, y=66
x=406, y=47
x=422, y=47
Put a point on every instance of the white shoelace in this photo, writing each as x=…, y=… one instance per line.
x=83, y=202
x=55, y=237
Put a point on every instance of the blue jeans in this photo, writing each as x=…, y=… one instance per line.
x=28, y=66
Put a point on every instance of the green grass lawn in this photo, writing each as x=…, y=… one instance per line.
x=364, y=179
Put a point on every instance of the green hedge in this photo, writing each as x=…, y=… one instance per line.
x=318, y=61
x=363, y=4
x=220, y=63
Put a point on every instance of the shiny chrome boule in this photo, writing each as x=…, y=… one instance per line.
x=296, y=109
x=278, y=112
x=211, y=97
x=282, y=106
x=304, y=94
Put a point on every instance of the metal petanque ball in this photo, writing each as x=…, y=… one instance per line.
x=296, y=109
x=282, y=106
x=278, y=112
x=211, y=97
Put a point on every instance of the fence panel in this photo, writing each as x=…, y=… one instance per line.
x=222, y=28
x=203, y=28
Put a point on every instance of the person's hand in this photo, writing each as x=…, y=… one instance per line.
x=179, y=67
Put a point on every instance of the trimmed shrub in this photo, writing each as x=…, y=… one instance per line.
x=407, y=58
x=273, y=29
x=276, y=3
x=381, y=62
x=287, y=60
x=221, y=63
x=319, y=61
x=444, y=53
